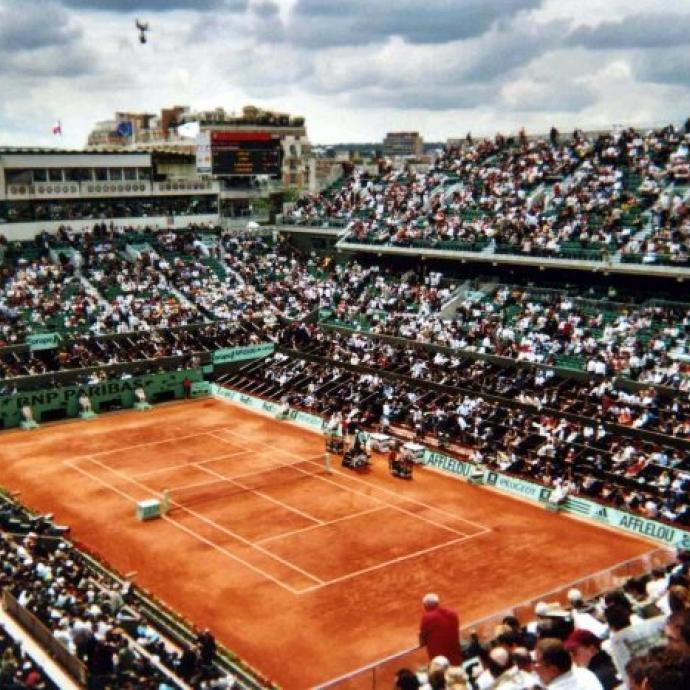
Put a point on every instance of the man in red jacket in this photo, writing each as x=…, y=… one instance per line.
x=439, y=631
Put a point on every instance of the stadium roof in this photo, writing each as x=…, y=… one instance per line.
x=65, y=152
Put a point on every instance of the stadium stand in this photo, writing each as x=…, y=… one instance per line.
x=18, y=670
x=102, y=630
x=580, y=198
x=569, y=386
x=562, y=385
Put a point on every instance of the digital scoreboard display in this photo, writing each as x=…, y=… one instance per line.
x=243, y=154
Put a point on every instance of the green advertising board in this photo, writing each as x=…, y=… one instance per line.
x=311, y=421
x=518, y=487
x=117, y=392
x=667, y=535
x=448, y=464
x=200, y=389
x=42, y=341
x=237, y=354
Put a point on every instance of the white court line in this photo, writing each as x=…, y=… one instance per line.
x=386, y=564
x=141, y=445
x=258, y=492
x=208, y=542
x=376, y=488
x=378, y=566
x=311, y=460
x=482, y=528
x=327, y=523
x=269, y=468
x=351, y=477
x=184, y=487
x=381, y=501
x=214, y=524
x=392, y=506
x=86, y=473
x=228, y=430
x=227, y=440
x=186, y=464
x=275, y=449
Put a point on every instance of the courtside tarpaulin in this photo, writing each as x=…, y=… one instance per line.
x=237, y=354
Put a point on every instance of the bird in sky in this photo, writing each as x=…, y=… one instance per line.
x=143, y=28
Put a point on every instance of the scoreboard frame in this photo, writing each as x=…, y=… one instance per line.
x=245, y=154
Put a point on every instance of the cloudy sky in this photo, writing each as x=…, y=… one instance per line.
x=354, y=68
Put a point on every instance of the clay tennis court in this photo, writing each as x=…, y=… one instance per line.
x=304, y=574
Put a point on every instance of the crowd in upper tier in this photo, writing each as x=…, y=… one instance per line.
x=619, y=195
x=647, y=341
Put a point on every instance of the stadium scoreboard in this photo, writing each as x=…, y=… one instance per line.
x=240, y=154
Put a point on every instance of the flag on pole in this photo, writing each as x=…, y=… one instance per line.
x=125, y=129
x=57, y=129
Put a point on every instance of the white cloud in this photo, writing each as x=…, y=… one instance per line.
x=354, y=69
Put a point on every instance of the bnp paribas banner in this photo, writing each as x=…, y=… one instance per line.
x=667, y=535
x=237, y=354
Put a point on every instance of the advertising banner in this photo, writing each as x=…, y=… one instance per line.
x=203, y=153
x=200, y=389
x=237, y=354
x=42, y=341
x=518, y=487
x=311, y=421
x=448, y=464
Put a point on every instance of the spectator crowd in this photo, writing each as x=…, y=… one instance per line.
x=632, y=638
x=578, y=197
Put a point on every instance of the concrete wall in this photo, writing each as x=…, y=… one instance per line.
x=27, y=231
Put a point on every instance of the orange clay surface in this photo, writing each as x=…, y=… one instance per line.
x=305, y=575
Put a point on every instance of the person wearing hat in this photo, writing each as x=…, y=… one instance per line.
x=585, y=650
x=439, y=630
x=552, y=620
x=583, y=618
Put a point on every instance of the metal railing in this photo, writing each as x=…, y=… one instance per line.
x=39, y=632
